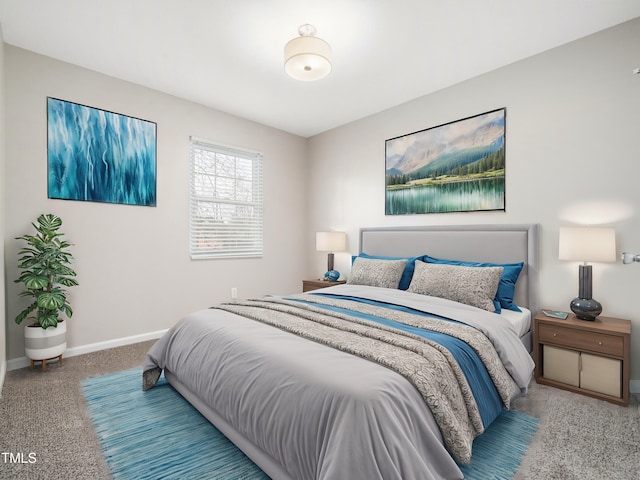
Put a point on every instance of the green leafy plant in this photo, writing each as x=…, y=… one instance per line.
x=45, y=272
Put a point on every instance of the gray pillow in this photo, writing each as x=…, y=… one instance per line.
x=475, y=286
x=376, y=273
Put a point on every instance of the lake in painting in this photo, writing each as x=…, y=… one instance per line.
x=455, y=167
x=484, y=194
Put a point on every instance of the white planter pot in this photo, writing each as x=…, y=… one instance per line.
x=45, y=343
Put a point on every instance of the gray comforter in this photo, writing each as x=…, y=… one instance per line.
x=324, y=409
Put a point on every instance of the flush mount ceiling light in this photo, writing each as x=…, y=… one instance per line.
x=307, y=57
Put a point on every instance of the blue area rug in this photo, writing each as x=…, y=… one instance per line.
x=158, y=435
x=497, y=453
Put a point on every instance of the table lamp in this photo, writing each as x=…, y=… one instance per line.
x=587, y=244
x=331, y=242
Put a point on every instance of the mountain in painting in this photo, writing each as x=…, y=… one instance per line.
x=443, y=149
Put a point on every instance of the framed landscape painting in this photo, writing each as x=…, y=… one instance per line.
x=455, y=167
x=99, y=156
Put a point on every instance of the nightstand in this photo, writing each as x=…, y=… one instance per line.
x=591, y=358
x=316, y=284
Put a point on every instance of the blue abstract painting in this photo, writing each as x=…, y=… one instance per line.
x=99, y=156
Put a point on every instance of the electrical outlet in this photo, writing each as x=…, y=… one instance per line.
x=234, y=293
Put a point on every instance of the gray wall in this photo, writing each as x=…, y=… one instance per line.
x=3, y=350
x=573, y=117
x=133, y=263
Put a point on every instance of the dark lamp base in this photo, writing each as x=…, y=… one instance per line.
x=586, y=308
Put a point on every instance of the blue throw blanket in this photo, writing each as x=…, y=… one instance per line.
x=480, y=382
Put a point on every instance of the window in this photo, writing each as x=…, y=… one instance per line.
x=225, y=201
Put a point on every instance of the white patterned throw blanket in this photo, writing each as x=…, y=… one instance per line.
x=429, y=366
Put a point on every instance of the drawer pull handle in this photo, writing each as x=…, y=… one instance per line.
x=555, y=334
x=600, y=343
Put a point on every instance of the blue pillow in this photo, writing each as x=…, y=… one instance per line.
x=506, y=287
x=407, y=275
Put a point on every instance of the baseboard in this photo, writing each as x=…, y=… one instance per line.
x=634, y=386
x=22, y=362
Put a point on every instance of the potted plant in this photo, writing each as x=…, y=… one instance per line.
x=44, y=262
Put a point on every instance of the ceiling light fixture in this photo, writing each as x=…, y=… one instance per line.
x=307, y=57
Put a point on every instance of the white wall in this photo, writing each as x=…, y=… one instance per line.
x=572, y=156
x=133, y=263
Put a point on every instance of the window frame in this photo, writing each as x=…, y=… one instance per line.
x=230, y=194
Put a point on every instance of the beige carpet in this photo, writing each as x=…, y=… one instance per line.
x=45, y=414
x=580, y=438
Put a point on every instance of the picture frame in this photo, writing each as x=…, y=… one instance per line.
x=454, y=167
x=96, y=155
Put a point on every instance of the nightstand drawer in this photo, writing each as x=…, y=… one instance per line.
x=582, y=340
x=308, y=285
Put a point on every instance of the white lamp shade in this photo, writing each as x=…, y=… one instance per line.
x=331, y=241
x=307, y=58
x=587, y=244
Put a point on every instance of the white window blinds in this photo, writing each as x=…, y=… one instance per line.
x=225, y=201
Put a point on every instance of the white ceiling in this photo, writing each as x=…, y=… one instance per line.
x=228, y=54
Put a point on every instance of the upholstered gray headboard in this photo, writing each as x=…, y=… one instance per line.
x=479, y=243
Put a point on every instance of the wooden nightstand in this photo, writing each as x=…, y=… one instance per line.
x=316, y=284
x=591, y=358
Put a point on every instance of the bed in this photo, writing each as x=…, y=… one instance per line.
x=372, y=379
x=472, y=243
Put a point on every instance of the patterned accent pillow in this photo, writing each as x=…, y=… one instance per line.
x=376, y=272
x=475, y=286
x=405, y=279
x=507, y=286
